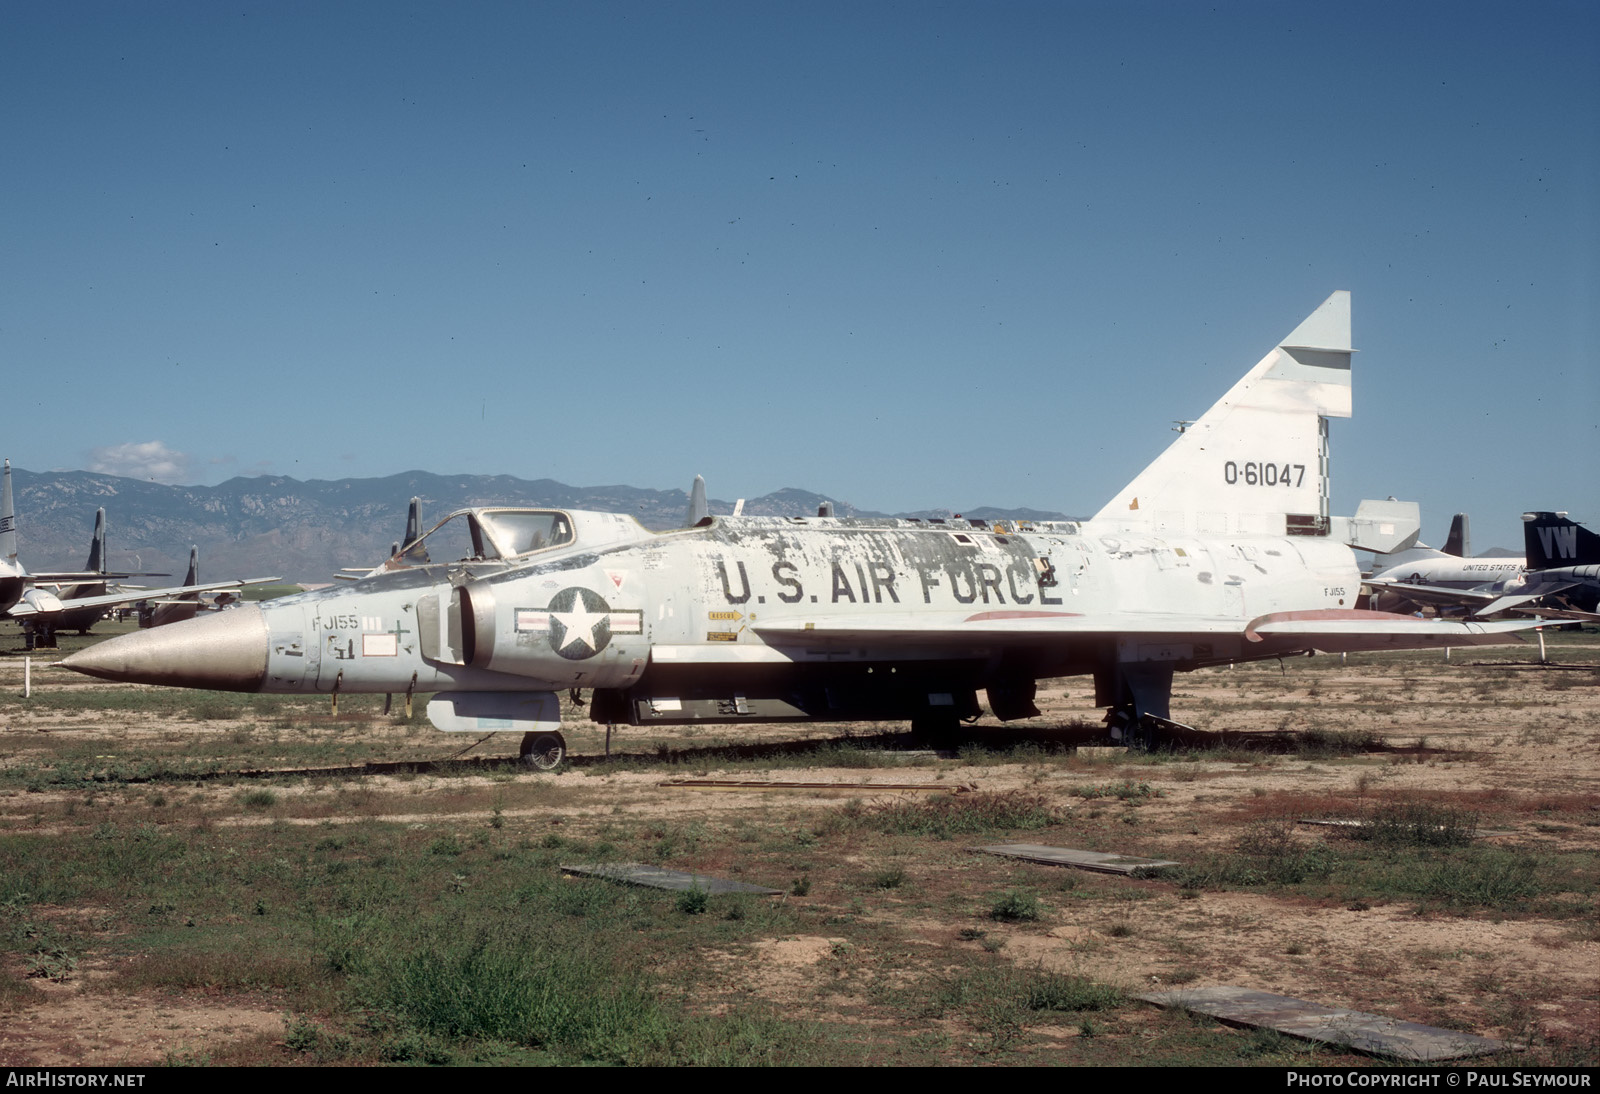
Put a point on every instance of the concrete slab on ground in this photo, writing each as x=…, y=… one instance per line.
x=1369, y=1033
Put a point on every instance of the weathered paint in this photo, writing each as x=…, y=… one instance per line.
x=1221, y=551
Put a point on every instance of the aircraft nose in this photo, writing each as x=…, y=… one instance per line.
x=226, y=651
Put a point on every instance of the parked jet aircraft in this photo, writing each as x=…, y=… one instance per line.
x=412, y=535
x=45, y=602
x=1563, y=578
x=1455, y=546
x=81, y=619
x=159, y=612
x=1221, y=551
x=1445, y=580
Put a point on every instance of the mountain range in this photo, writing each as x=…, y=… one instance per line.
x=307, y=531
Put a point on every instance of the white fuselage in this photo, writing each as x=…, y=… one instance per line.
x=1450, y=572
x=577, y=616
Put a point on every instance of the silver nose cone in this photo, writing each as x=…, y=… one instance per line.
x=225, y=652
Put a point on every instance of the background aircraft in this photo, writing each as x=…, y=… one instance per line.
x=1563, y=577
x=45, y=602
x=174, y=608
x=81, y=619
x=1222, y=550
x=1447, y=580
x=411, y=536
x=1456, y=545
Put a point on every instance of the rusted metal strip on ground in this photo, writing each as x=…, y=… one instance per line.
x=854, y=788
x=1372, y=1034
x=659, y=877
x=1100, y=861
x=1360, y=825
x=370, y=767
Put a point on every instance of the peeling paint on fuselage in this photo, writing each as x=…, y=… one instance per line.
x=685, y=607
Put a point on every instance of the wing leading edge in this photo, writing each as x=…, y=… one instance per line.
x=1330, y=630
x=25, y=608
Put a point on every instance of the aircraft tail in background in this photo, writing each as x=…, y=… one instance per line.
x=187, y=606
x=1553, y=541
x=8, y=520
x=699, y=510
x=97, y=544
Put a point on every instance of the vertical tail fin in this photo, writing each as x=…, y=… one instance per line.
x=416, y=556
x=8, y=519
x=185, y=606
x=97, y=545
x=1460, y=541
x=1552, y=540
x=699, y=508
x=413, y=522
x=1257, y=461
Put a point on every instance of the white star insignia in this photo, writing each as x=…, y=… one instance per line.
x=580, y=624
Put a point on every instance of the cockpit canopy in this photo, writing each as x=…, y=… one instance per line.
x=481, y=535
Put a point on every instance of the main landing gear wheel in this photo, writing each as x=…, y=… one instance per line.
x=543, y=751
x=1131, y=729
x=1144, y=732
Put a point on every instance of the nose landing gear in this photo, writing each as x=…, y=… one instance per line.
x=543, y=751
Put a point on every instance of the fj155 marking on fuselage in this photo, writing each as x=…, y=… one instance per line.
x=1206, y=558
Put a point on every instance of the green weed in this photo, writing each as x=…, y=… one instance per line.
x=946, y=817
x=1001, y=1001
x=1059, y=992
x=1127, y=790
x=1016, y=906
x=1418, y=824
x=890, y=878
x=513, y=984
x=1490, y=881
x=54, y=964
x=1267, y=854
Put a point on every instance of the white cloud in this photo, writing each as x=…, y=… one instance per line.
x=150, y=460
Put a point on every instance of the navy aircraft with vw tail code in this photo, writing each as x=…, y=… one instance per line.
x=1221, y=551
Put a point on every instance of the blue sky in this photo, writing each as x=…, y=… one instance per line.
x=909, y=254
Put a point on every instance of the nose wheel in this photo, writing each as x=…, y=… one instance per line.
x=543, y=751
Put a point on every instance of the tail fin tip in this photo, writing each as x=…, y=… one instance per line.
x=1327, y=328
x=1256, y=462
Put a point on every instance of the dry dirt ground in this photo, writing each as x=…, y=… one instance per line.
x=1491, y=731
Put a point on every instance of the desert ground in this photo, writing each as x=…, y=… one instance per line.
x=191, y=877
